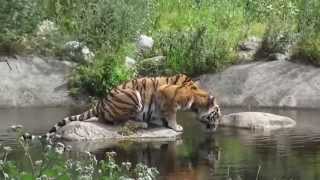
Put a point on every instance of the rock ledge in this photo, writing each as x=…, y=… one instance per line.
x=88, y=131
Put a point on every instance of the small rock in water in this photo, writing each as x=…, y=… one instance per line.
x=257, y=120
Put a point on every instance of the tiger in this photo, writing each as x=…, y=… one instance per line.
x=135, y=99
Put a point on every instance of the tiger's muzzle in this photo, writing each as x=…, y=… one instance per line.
x=211, y=120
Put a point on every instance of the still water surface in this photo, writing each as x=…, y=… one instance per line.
x=227, y=154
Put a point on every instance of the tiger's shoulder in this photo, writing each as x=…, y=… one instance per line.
x=181, y=95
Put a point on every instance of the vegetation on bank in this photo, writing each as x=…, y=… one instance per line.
x=56, y=161
x=195, y=36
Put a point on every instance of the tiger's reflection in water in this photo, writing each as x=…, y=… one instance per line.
x=174, y=160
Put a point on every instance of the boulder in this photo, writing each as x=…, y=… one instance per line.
x=129, y=62
x=266, y=84
x=93, y=131
x=34, y=81
x=257, y=120
x=251, y=44
x=78, y=52
x=248, y=49
x=144, y=43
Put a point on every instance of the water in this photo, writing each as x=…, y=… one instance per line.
x=228, y=153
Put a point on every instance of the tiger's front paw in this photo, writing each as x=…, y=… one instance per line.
x=178, y=128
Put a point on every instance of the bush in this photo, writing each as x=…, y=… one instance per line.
x=104, y=24
x=18, y=19
x=100, y=76
x=307, y=48
x=192, y=53
x=277, y=38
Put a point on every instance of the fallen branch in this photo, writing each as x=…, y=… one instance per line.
x=5, y=59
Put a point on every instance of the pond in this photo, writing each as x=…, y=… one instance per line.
x=226, y=154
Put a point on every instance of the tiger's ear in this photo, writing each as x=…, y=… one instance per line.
x=197, y=82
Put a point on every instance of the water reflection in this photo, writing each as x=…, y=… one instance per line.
x=228, y=153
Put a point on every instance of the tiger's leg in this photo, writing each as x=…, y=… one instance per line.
x=172, y=122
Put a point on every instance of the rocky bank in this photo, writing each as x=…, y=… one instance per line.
x=279, y=83
x=33, y=81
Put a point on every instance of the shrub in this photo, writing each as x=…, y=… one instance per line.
x=277, y=38
x=102, y=23
x=99, y=77
x=191, y=52
x=18, y=19
x=308, y=47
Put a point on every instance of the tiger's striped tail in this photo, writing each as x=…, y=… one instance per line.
x=80, y=117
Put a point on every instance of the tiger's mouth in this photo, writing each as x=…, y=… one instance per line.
x=211, y=121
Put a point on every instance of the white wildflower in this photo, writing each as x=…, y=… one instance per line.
x=59, y=150
x=7, y=149
x=125, y=178
x=87, y=54
x=44, y=177
x=111, y=154
x=6, y=176
x=72, y=45
x=78, y=51
x=46, y=27
x=127, y=165
x=49, y=147
x=38, y=163
x=88, y=153
x=85, y=50
x=59, y=144
x=16, y=127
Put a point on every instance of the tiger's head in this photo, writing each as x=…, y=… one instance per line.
x=190, y=96
x=206, y=107
x=209, y=113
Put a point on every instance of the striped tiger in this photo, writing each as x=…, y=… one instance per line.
x=135, y=99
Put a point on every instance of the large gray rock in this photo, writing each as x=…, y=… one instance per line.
x=266, y=84
x=93, y=131
x=257, y=120
x=33, y=81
